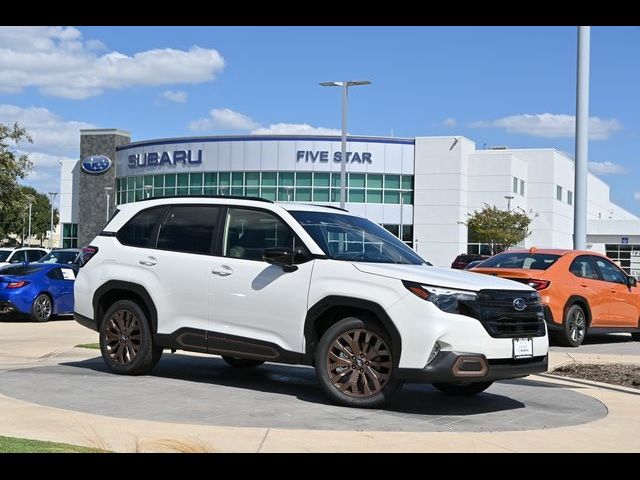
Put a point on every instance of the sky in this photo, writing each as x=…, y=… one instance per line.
x=498, y=86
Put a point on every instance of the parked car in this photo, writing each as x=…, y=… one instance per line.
x=464, y=259
x=62, y=255
x=581, y=291
x=21, y=255
x=255, y=281
x=37, y=289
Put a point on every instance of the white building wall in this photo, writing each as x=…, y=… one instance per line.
x=69, y=179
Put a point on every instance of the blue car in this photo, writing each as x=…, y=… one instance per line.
x=37, y=289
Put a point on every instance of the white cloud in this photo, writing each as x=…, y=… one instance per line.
x=60, y=63
x=177, y=96
x=51, y=134
x=551, y=125
x=449, y=122
x=224, y=119
x=636, y=195
x=294, y=129
x=607, y=168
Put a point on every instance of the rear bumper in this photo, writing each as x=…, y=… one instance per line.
x=450, y=367
x=85, y=321
x=8, y=307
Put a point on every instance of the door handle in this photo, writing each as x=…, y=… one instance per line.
x=612, y=290
x=222, y=271
x=583, y=285
x=148, y=262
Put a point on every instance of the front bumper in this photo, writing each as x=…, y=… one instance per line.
x=85, y=321
x=446, y=368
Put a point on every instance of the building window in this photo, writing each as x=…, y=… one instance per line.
x=69, y=235
x=407, y=232
x=559, y=192
x=515, y=185
x=281, y=186
x=522, y=187
x=569, y=197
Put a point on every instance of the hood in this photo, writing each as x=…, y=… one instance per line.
x=443, y=277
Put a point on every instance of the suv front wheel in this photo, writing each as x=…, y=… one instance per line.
x=126, y=341
x=355, y=363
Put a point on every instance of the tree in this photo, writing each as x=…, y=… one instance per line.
x=13, y=166
x=40, y=212
x=495, y=226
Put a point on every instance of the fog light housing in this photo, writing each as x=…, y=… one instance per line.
x=434, y=351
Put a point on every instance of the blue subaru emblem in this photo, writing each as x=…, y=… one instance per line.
x=96, y=164
x=519, y=304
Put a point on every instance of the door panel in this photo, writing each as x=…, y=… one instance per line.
x=623, y=302
x=586, y=283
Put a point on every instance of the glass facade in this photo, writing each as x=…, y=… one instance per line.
x=626, y=256
x=277, y=186
x=69, y=235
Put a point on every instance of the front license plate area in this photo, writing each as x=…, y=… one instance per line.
x=522, y=348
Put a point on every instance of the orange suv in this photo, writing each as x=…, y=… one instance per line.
x=580, y=290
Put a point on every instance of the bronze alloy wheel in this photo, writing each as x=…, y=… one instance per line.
x=359, y=363
x=122, y=337
x=43, y=308
x=577, y=325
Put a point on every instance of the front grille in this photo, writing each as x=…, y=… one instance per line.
x=495, y=310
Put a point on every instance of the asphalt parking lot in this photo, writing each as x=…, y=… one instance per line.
x=41, y=368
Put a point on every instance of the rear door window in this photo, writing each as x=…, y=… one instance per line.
x=583, y=267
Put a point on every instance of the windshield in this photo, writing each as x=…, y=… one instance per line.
x=59, y=256
x=528, y=261
x=344, y=237
x=4, y=254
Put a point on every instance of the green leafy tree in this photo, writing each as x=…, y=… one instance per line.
x=498, y=227
x=13, y=166
x=40, y=213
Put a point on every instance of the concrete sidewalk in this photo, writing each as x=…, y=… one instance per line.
x=30, y=345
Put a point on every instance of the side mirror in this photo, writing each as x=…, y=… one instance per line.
x=281, y=256
x=631, y=281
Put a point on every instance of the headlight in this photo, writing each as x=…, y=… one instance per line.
x=446, y=299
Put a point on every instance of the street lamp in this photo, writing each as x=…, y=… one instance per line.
x=29, y=231
x=343, y=156
x=509, y=198
x=107, y=190
x=53, y=196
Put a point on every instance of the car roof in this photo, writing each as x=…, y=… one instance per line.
x=546, y=251
x=77, y=250
x=7, y=249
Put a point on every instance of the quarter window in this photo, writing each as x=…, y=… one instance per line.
x=137, y=231
x=189, y=229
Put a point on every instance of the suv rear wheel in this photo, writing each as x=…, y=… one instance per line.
x=355, y=363
x=126, y=341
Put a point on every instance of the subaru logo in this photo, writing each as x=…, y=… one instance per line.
x=519, y=304
x=96, y=164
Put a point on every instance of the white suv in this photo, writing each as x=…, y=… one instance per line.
x=254, y=282
x=20, y=255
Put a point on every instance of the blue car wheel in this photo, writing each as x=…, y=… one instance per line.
x=42, y=308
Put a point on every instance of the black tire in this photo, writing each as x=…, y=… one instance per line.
x=574, y=327
x=126, y=340
x=636, y=336
x=373, y=364
x=462, y=389
x=42, y=308
x=242, y=362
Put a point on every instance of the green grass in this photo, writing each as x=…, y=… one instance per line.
x=25, y=445
x=95, y=346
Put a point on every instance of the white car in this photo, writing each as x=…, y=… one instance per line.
x=20, y=255
x=255, y=281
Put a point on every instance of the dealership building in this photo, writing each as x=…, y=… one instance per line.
x=420, y=189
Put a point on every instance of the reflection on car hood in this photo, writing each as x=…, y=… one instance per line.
x=444, y=277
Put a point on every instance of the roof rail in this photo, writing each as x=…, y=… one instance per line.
x=327, y=206
x=230, y=197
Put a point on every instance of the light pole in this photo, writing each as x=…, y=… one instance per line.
x=582, y=140
x=107, y=190
x=509, y=198
x=53, y=196
x=29, y=231
x=343, y=155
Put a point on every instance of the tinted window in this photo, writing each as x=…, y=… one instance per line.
x=62, y=274
x=59, y=256
x=349, y=238
x=19, y=257
x=609, y=272
x=189, y=229
x=583, y=267
x=137, y=231
x=4, y=254
x=250, y=232
x=19, y=270
x=35, y=255
x=529, y=261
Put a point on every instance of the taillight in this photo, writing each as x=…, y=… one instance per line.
x=87, y=254
x=22, y=283
x=538, y=284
